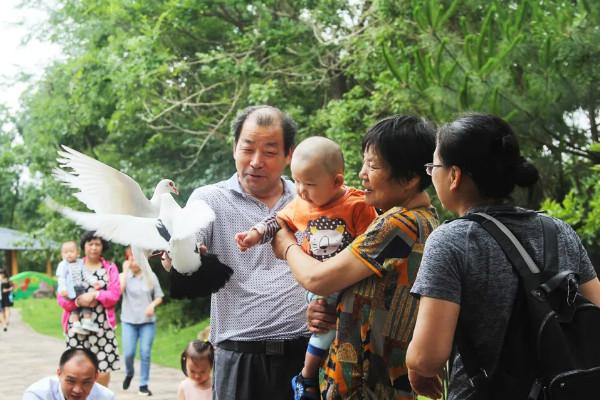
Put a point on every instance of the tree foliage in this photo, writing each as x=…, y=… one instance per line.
x=151, y=87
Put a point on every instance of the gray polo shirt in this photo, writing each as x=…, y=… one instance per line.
x=136, y=298
x=261, y=300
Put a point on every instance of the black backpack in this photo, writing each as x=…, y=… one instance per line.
x=551, y=350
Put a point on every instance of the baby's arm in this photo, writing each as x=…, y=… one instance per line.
x=248, y=239
x=262, y=232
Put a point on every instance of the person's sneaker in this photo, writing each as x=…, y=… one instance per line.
x=89, y=325
x=127, y=382
x=144, y=391
x=299, y=386
x=78, y=329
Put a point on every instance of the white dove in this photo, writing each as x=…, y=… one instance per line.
x=104, y=189
x=126, y=216
x=173, y=230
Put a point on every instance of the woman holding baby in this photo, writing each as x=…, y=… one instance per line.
x=103, y=292
x=375, y=314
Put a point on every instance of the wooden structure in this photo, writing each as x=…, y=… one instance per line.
x=12, y=241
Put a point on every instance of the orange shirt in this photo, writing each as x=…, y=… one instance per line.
x=325, y=231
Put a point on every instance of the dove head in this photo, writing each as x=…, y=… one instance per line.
x=166, y=186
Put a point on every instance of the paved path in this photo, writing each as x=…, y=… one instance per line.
x=26, y=356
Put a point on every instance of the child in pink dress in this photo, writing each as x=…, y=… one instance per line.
x=197, y=363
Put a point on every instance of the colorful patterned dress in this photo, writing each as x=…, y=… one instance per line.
x=376, y=316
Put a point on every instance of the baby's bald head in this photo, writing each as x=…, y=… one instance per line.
x=319, y=150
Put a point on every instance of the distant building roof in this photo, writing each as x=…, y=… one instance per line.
x=11, y=239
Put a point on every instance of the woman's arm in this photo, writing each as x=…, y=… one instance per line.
x=431, y=343
x=591, y=291
x=66, y=304
x=322, y=278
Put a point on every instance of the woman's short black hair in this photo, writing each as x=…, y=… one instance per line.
x=89, y=236
x=197, y=350
x=73, y=351
x=405, y=143
x=486, y=148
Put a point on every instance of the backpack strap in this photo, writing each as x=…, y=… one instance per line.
x=527, y=270
x=550, y=244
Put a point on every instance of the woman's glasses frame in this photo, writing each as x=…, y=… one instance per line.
x=430, y=166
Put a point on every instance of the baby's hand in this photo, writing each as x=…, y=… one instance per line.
x=248, y=239
x=98, y=285
x=64, y=294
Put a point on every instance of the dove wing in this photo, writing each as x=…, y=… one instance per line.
x=124, y=229
x=101, y=187
x=194, y=217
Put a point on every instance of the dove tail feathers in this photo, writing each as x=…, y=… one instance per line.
x=208, y=279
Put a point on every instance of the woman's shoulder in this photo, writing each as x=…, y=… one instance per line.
x=410, y=216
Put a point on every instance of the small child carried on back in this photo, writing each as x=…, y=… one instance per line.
x=73, y=281
x=325, y=216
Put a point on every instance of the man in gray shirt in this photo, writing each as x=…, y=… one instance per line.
x=257, y=318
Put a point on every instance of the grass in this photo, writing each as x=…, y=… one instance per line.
x=43, y=315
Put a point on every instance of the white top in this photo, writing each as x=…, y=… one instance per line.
x=49, y=389
x=191, y=391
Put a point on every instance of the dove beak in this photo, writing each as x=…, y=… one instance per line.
x=175, y=191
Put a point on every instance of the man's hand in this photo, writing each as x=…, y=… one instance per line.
x=321, y=317
x=425, y=386
x=248, y=239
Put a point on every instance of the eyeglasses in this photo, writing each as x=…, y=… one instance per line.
x=430, y=166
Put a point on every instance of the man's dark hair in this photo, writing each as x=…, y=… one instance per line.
x=405, y=143
x=88, y=236
x=288, y=126
x=72, y=352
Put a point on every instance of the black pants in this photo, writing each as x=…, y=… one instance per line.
x=257, y=370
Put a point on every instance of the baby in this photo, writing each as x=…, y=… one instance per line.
x=72, y=282
x=326, y=216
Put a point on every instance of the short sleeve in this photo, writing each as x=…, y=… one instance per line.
x=438, y=275
x=388, y=240
x=574, y=250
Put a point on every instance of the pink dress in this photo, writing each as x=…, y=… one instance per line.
x=191, y=391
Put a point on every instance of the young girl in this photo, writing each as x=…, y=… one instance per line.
x=196, y=363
